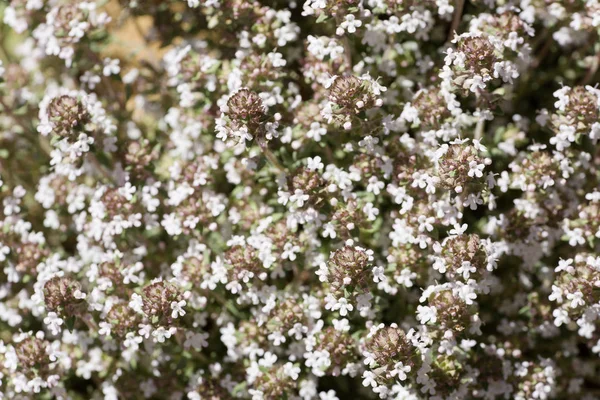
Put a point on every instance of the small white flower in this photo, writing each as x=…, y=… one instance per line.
x=475, y=170
x=177, y=307
x=349, y=25
x=315, y=163
x=53, y=321
x=378, y=274
x=458, y=229
x=426, y=314
x=369, y=379
x=299, y=198
x=400, y=370
x=111, y=67
x=343, y=305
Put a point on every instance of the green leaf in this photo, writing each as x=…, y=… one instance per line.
x=70, y=323
x=525, y=311
x=322, y=18
x=239, y=388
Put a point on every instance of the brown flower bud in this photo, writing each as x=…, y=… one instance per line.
x=246, y=107
x=68, y=114
x=157, y=299
x=60, y=296
x=341, y=346
x=31, y=352
x=389, y=346
x=349, y=269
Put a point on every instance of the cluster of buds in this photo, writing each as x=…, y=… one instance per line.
x=575, y=289
x=32, y=354
x=68, y=116
x=577, y=111
x=350, y=270
x=390, y=355
x=494, y=49
x=245, y=265
x=538, y=170
x=393, y=199
x=342, y=349
x=349, y=96
x=242, y=117
x=445, y=311
x=275, y=382
x=67, y=25
x=460, y=168
x=432, y=107
x=163, y=302
x=462, y=257
x=63, y=296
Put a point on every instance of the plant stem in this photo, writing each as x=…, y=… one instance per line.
x=264, y=147
x=458, y=11
x=592, y=71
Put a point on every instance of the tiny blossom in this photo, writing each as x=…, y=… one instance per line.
x=177, y=307
x=111, y=67
x=299, y=197
x=400, y=370
x=295, y=199
x=349, y=25
x=53, y=321
x=343, y=305
x=315, y=163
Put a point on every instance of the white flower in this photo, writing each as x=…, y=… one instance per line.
x=329, y=395
x=475, y=84
x=426, y=314
x=370, y=211
x=400, y=370
x=342, y=305
x=136, y=303
x=289, y=251
x=291, y=370
x=177, y=307
x=349, y=25
x=111, y=67
x=458, y=229
x=105, y=328
x=369, y=379
x=315, y=163
x=299, y=198
x=53, y=321
x=161, y=334
x=329, y=230
x=565, y=265
x=475, y=170
x=560, y=317
x=4, y=251
x=576, y=299
x=341, y=325
x=466, y=269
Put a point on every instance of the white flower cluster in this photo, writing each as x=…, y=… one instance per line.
x=320, y=199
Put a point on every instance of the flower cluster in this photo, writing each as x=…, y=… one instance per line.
x=315, y=199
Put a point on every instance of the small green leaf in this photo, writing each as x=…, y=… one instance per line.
x=322, y=18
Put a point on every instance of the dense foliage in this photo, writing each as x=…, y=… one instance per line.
x=328, y=199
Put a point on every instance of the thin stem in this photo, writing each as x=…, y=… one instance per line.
x=19, y=119
x=99, y=167
x=592, y=71
x=543, y=52
x=458, y=12
x=269, y=154
x=5, y=54
x=479, y=129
